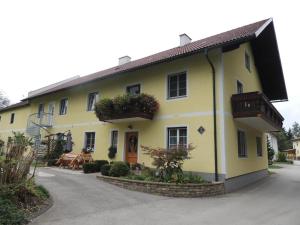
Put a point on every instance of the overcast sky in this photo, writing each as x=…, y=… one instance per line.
x=42, y=42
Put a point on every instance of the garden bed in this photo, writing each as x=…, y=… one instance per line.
x=167, y=189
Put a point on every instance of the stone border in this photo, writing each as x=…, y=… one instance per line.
x=167, y=189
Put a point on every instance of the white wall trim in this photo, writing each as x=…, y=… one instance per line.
x=222, y=116
x=258, y=32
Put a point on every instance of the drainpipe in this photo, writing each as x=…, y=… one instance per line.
x=214, y=113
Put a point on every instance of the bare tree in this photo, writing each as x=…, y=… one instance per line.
x=4, y=101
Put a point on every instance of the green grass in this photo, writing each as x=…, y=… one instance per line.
x=274, y=166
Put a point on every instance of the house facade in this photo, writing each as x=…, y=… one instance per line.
x=214, y=93
x=296, y=146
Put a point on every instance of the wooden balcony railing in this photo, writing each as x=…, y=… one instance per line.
x=255, y=104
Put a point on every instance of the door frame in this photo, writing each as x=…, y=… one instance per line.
x=53, y=104
x=138, y=144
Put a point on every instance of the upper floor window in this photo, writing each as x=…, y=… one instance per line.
x=239, y=87
x=40, y=110
x=177, y=85
x=63, y=106
x=177, y=136
x=114, y=139
x=89, y=141
x=92, y=99
x=0, y=118
x=247, y=62
x=259, y=146
x=242, y=146
x=12, y=118
x=133, y=89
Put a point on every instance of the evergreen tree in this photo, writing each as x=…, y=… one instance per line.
x=296, y=130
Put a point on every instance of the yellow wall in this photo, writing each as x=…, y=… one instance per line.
x=236, y=166
x=296, y=146
x=20, y=121
x=193, y=111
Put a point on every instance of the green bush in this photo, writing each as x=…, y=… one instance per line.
x=119, y=169
x=281, y=157
x=112, y=151
x=193, y=179
x=105, y=169
x=99, y=164
x=41, y=192
x=89, y=168
x=10, y=214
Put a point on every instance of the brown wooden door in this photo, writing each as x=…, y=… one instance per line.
x=131, y=147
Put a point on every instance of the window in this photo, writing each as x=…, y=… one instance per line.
x=114, y=139
x=239, y=87
x=90, y=141
x=242, y=148
x=40, y=110
x=177, y=85
x=259, y=146
x=247, y=61
x=133, y=89
x=177, y=136
x=12, y=118
x=63, y=106
x=0, y=118
x=92, y=99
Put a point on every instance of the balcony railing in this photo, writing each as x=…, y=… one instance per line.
x=40, y=119
x=256, y=104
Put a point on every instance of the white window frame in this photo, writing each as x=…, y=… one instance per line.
x=246, y=148
x=111, y=138
x=247, y=56
x=12, y=118
x=132, y=85
x=261, y=146
x=66, y=106
x=168, y=85
x=85, y=140
x=237, y=89
x=41, y=106
x=178, y=127
x=96, y=94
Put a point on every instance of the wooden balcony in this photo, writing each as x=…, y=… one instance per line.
x=255, y=110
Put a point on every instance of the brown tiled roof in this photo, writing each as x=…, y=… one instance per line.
x=14, y=106
x=236, y=35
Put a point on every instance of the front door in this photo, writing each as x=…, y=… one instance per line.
x=131, y=147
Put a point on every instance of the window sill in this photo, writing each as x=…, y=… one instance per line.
x=176, y=98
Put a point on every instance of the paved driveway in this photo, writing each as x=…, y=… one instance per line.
x=81, y=199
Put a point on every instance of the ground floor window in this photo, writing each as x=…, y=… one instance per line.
x=114, y=139
x=242, y=147
x=259, y=146
x=177, y=136
x=89, y=141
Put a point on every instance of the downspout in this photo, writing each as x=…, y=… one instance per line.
x=214, y=113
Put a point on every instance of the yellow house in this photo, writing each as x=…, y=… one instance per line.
x=296, y=146
x=215, y=93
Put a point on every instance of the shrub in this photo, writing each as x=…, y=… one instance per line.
x=281, y=157
x=41, y=192
x=193, y=179
x=136, y=166
x=169, y=162
x=112, y=151
x=9, y=213
x=89, y=168
x=119, y=169
x=99, y=164
x=105, y=169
